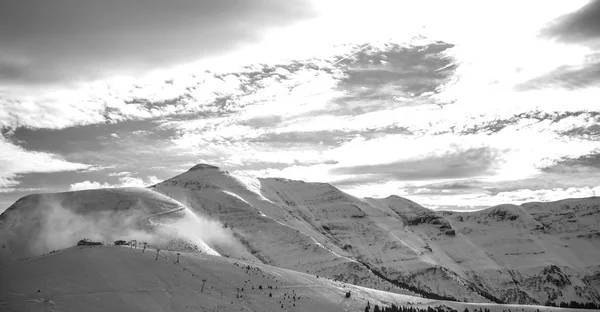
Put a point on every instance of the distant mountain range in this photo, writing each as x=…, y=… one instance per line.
x=535, y=253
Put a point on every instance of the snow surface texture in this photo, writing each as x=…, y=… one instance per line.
x=530, y=254
x=99, y=278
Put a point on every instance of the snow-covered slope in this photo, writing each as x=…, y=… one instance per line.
x=544, y=264
x=114, y=278
x=272, y=232
x=532, y=253
x=41, y=223
x=491, y=255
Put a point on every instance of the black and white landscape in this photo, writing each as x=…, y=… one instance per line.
x=299, y=155
x=535, y=253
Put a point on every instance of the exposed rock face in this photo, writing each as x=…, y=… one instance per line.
x=532, y=253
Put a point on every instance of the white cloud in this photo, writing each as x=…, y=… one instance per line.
x=125, y=180
x=6, y=182
x=49, y=110
x=153, y=180
x=119, y=174
x=517, y=197
x=94, y=168
x=116, y=136
x=15, y=160
x=489, y=50
x=88, y=185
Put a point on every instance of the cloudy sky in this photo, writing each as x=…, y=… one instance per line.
x=453, y=104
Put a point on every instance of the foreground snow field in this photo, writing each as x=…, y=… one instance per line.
x=116, y=278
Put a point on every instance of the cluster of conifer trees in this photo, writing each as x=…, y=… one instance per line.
x=575, y=305
x=395, y=308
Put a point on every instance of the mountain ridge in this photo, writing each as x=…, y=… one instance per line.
x=505, y=253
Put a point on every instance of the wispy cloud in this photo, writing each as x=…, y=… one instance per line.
x=451, y=165
x=16, y=160
x=124, y=181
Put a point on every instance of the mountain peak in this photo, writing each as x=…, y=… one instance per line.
x=394, y=197
x=203, y=167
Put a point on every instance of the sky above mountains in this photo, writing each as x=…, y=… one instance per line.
x=453, y=105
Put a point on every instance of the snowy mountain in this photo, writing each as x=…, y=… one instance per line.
x=532, y=254
x=100, y=278
x=41, y=223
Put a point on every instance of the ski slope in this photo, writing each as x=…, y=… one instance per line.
x=114, y=278
x=527, y=254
